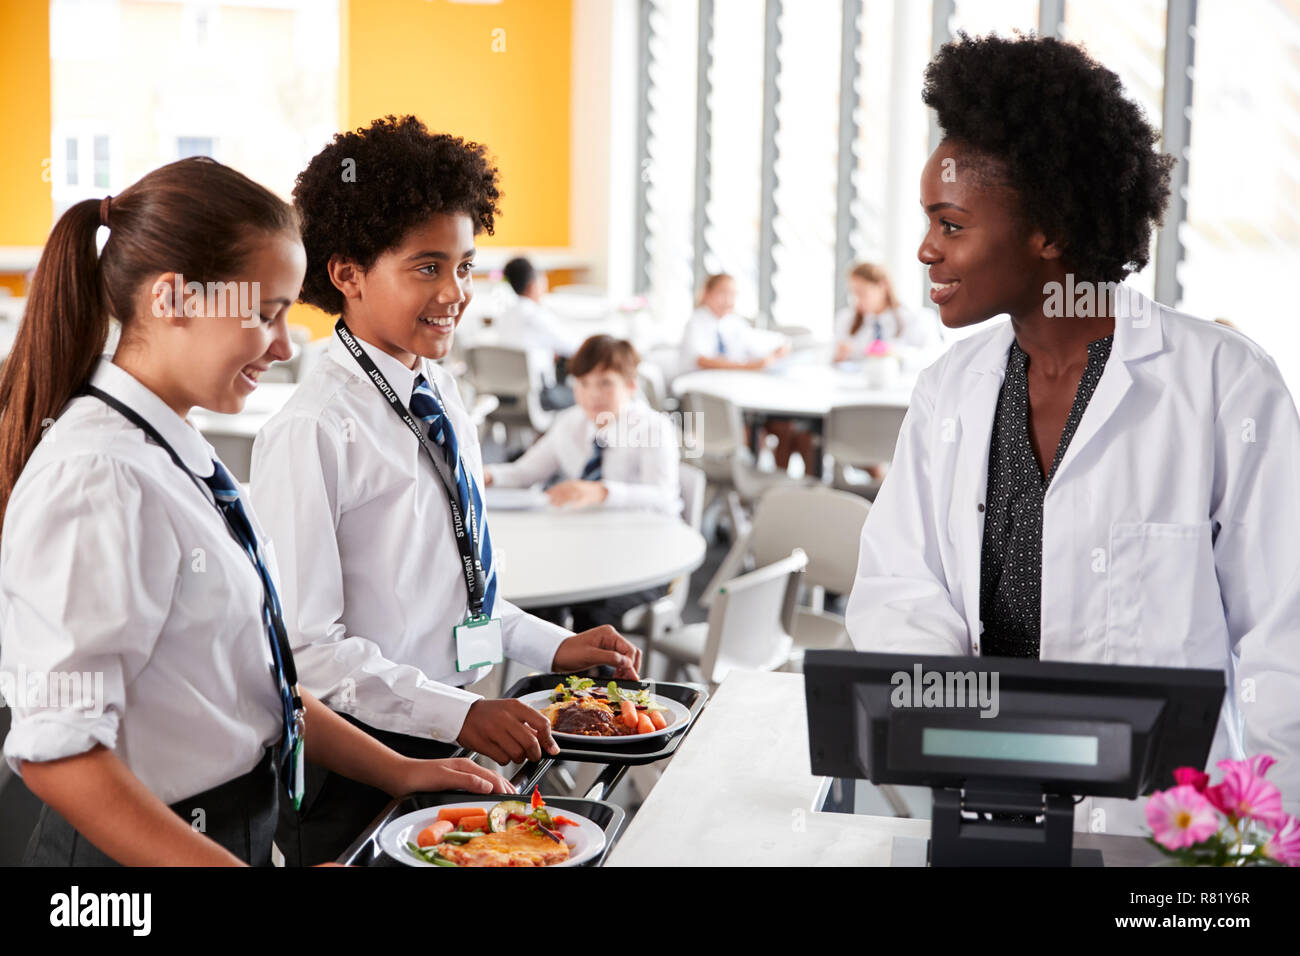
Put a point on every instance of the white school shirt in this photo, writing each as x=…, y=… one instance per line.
x=1169, y=527
x=113, y=562
x=743, y=342
x=372, y=581
x=920, y=339
x=638, y=467
x=531, y=326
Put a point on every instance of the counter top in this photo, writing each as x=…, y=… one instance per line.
x=739, y=792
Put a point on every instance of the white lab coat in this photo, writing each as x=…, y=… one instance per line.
x=1171, y=530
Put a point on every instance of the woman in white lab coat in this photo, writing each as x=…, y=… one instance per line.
x=1105, y=481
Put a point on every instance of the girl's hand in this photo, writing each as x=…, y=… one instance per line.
x=577, y=493
x=487, y=478
x=452, y=773
x=843, y=351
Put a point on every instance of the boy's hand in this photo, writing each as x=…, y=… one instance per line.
x=577, y=493
x=600, y=646
x=507, y=731
x=487, y=478
x=453, y=773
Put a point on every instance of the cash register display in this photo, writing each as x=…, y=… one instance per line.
x=1003, y=745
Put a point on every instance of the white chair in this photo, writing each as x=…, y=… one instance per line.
x=714, y=435
x=860, y=435
x=749, y=625
x=509, y=374
x=651, y=621
x=823, y=523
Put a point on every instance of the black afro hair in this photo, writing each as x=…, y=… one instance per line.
x=361, y=194
x=1058, y=129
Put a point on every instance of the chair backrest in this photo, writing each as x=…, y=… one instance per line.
x=501, y=370
x=824, y=523
x=650, y=381
x=712, y=426
x=692, y=482
x=863, y=434
x=751, y=619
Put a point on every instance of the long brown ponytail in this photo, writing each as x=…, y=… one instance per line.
x=195, y=217
x=870, y=272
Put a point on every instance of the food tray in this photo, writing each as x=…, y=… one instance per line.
x=365, y=850
x=633, y=753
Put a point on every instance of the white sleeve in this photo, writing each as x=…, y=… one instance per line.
x=843, y=322
x=554, y=334
x=1255, y=516
x=88, y=565
x=659, y=487
x=528, y=639
x=297, y=472
x=699, y=340
x=539, y=463
x=900, y=601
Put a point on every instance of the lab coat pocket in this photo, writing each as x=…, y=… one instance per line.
x=1163, y=605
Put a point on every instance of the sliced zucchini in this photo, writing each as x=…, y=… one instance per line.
x=499, y=816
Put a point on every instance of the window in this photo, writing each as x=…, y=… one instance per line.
x=187, y=146
x=1242, y=234
x=70, y=157
x=666, y=259
x=106, y=61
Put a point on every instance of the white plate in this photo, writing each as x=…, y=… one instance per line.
x=585, y=840
x=676, y=714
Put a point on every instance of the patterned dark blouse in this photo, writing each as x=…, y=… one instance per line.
x=1011, y=559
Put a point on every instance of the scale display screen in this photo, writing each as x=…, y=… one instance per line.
x=1076, y=749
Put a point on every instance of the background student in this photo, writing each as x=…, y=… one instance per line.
x=717, y=338
x=380, y=588
x=528, y=324
x=876, y=315
x=128, y=554
x=610, y=450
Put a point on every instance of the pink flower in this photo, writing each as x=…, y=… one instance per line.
x=1180, y=817
x=1191, y=777
x=1285, y=844
x=1245, y=794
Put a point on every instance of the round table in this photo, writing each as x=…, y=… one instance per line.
x=799, y=389
x=558, y=556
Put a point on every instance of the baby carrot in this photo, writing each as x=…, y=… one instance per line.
x=628, y=714
x=454, y=814
x=644, y=725
x=479, y=822
x=657, y=719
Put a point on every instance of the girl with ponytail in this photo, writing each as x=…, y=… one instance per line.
x=156, y=711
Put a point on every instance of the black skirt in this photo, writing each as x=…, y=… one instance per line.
x=239, y=814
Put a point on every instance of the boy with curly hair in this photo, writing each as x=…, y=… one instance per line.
x=370, y=478
x=1101, y=478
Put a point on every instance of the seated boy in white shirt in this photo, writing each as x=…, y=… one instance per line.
x=610, y=450
x=530, y=325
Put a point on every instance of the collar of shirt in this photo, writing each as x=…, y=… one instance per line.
x=399, y=376
x=193, y=449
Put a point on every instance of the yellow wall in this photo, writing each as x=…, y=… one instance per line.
x=443, y=62
x=495, y=73
x=25, y=118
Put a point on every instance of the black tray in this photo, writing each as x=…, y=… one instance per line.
x=633, y=753
x=365, y=850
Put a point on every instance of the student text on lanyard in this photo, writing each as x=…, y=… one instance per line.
x=286, y=675
x=478, y=639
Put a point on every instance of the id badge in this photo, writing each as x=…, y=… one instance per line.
x=298, y=782
x=478, y=643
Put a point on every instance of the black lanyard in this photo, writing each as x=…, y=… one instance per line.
x=467, y=533
x=278, y=636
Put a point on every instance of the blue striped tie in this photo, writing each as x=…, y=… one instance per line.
x=722, y=345
x=226, y=493
x=591, y=470
x=424, y=405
